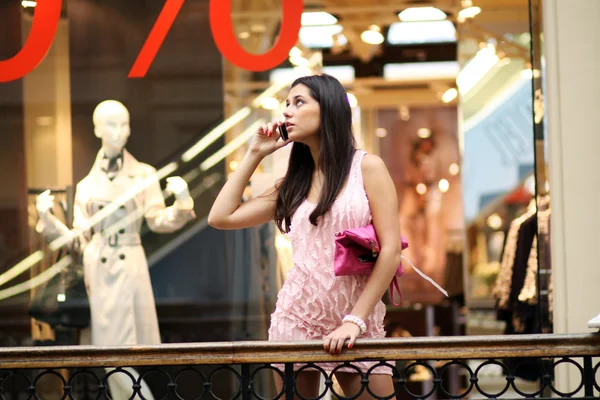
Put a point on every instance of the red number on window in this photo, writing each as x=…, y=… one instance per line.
x=156, y=38
x=224, y=36
x=43, y=30
x=47, y=15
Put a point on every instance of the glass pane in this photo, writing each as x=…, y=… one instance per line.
x=500, y=170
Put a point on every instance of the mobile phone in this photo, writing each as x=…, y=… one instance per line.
x=283, y=131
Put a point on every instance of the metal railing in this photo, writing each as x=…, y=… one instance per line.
x=454, y=368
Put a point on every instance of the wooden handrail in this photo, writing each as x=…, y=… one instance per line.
x=424, y=348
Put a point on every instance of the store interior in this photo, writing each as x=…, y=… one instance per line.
x=448, y=93
x=446, y=100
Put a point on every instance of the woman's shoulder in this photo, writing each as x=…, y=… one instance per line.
x=372, y=164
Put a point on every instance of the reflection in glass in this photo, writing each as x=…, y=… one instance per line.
x=500, y=116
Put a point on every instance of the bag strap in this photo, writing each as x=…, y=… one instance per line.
x=396, y=285
x=424, y=276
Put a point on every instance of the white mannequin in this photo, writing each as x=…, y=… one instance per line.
x=111, y=125
x=110, y=204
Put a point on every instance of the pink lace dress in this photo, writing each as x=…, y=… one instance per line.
x=313, y=301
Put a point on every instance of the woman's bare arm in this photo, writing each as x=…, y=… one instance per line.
x=383, y=200
x=228, y=212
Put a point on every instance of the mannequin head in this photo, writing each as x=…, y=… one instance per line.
x=111, y=125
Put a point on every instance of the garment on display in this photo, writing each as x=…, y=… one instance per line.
x=529, y=292
x=111, y=203
x=516, y=288
x=503, y=285
x=62, y=300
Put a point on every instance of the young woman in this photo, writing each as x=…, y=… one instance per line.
x=329, y=186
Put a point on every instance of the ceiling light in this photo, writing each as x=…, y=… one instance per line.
x=454, y=169
x=424, y=133
x=414, y=71
x=352, y=100
x=295, y=52
x=372, y=35
x=244, y=35
x=404, y=113
x=288, y=74
x=270, y=103
x=449, y=95
x=258, y=28
x=421, y=188
x=233, y=165
x=339, y=43
x=381, y=132
x=494, y=221
x=422, y=32
x=468, y=13
x=444, y=185
x=26, y=3
x=318, y=18
x=280, y=84
x=343, y=73
x=321, y=36
x=422, y=14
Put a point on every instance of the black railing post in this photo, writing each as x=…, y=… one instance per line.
x=288, y=381
x=246, y=389
x=588, y=376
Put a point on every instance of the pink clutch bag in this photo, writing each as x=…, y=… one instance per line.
x=356, y=251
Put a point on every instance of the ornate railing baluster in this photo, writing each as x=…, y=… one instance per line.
x=288, y=381
x=588, y=376
x=246, y=382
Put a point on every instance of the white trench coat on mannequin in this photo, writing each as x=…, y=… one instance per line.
x=116, y=272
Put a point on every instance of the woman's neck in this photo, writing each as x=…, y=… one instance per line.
x=314, y=152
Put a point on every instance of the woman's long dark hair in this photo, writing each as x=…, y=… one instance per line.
x=335, y=157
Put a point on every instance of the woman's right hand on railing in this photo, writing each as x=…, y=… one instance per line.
x=267, y=139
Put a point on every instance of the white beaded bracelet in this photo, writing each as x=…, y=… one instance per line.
x=356, y=321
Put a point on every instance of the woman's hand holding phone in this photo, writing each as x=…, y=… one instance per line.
x=269, y=138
